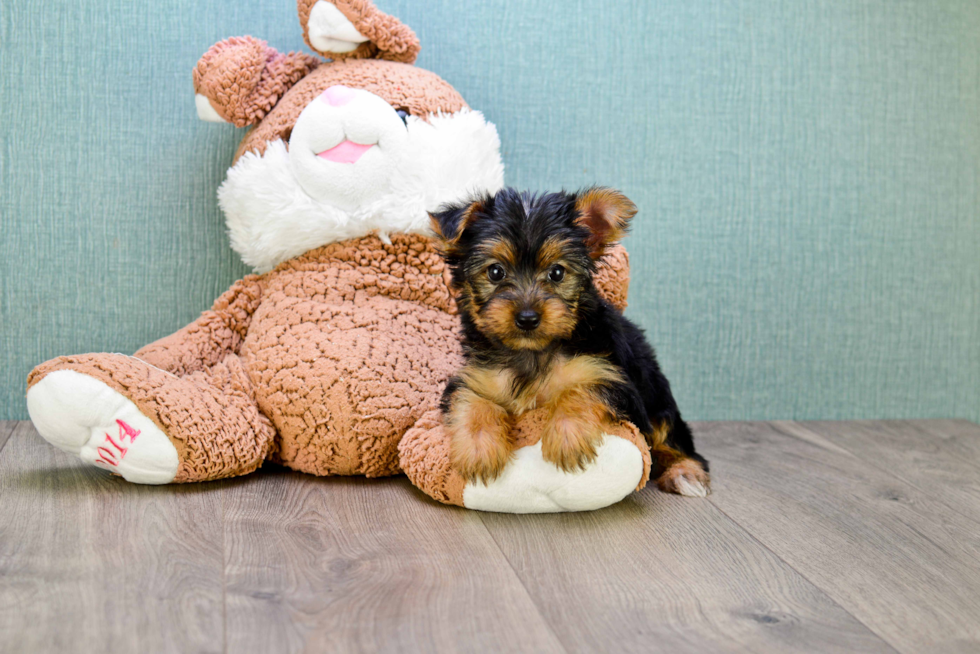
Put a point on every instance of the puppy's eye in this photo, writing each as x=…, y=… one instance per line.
x=403, y=115
x=557, y=274
x=495, y=273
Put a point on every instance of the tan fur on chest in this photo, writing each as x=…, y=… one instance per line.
x=566, y=374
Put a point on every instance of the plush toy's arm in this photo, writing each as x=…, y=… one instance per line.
x=529, y=484
x=218, y=332
x=612, y=277
x=240, y=79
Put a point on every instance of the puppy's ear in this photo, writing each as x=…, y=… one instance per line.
x=450, y=222
x=606, y=213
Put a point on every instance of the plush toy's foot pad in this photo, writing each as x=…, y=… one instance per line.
x=83, y=416
x=530, y=484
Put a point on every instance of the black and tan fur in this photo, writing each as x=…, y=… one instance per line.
x=536, y=333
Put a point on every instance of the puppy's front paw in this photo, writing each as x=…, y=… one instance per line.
x=570, y=442
x=479, y=446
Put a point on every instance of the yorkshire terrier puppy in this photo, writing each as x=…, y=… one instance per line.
x=536, y=333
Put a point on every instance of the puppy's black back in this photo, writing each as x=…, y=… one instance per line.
x=648, y=401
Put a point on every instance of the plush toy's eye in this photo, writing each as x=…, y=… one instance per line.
x=403, y=115
x=495, y=273
x=557, y=274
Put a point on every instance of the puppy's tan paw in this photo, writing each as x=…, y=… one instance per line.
x=685, y=477
x=479, y=446
x=570, y=442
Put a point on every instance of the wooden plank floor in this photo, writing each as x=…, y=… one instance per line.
x=847, y=536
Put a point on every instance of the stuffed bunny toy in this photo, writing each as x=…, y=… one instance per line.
x=332, y=358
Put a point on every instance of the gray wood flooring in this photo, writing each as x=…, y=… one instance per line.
x=843, y=536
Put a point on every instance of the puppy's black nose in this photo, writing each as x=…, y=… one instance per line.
x=528, y=320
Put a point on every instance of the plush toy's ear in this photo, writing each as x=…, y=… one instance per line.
x=355, y=29
x=450, y=222
x=240, y=79
x=606, y=213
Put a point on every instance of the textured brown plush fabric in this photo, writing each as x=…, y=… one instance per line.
x=351, y=345
x=322, y=364
x=243, y=77
x=388, y=38
x=424, y=458
x=612, y=278
x=210, y=415
x=206, y=341
x=424, y=453
x=415, y=90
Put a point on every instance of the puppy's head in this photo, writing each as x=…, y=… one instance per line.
x=520, y=262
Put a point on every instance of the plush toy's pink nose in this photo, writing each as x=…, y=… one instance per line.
x=337, y=96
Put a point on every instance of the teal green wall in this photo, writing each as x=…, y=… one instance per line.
x=807, y=172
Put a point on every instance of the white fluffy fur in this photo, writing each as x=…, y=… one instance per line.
x=272, y=219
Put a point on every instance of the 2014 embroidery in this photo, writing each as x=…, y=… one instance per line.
x=110, y=452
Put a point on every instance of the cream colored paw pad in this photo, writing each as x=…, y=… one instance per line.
x=83, y=416
x=530, y=484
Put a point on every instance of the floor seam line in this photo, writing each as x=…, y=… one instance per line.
x=224, y=565
x=6, y=439
x=803, y=576
x=792, y=567
x=871, y=464
x=527, y=592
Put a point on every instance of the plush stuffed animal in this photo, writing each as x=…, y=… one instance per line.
x=332, y=359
